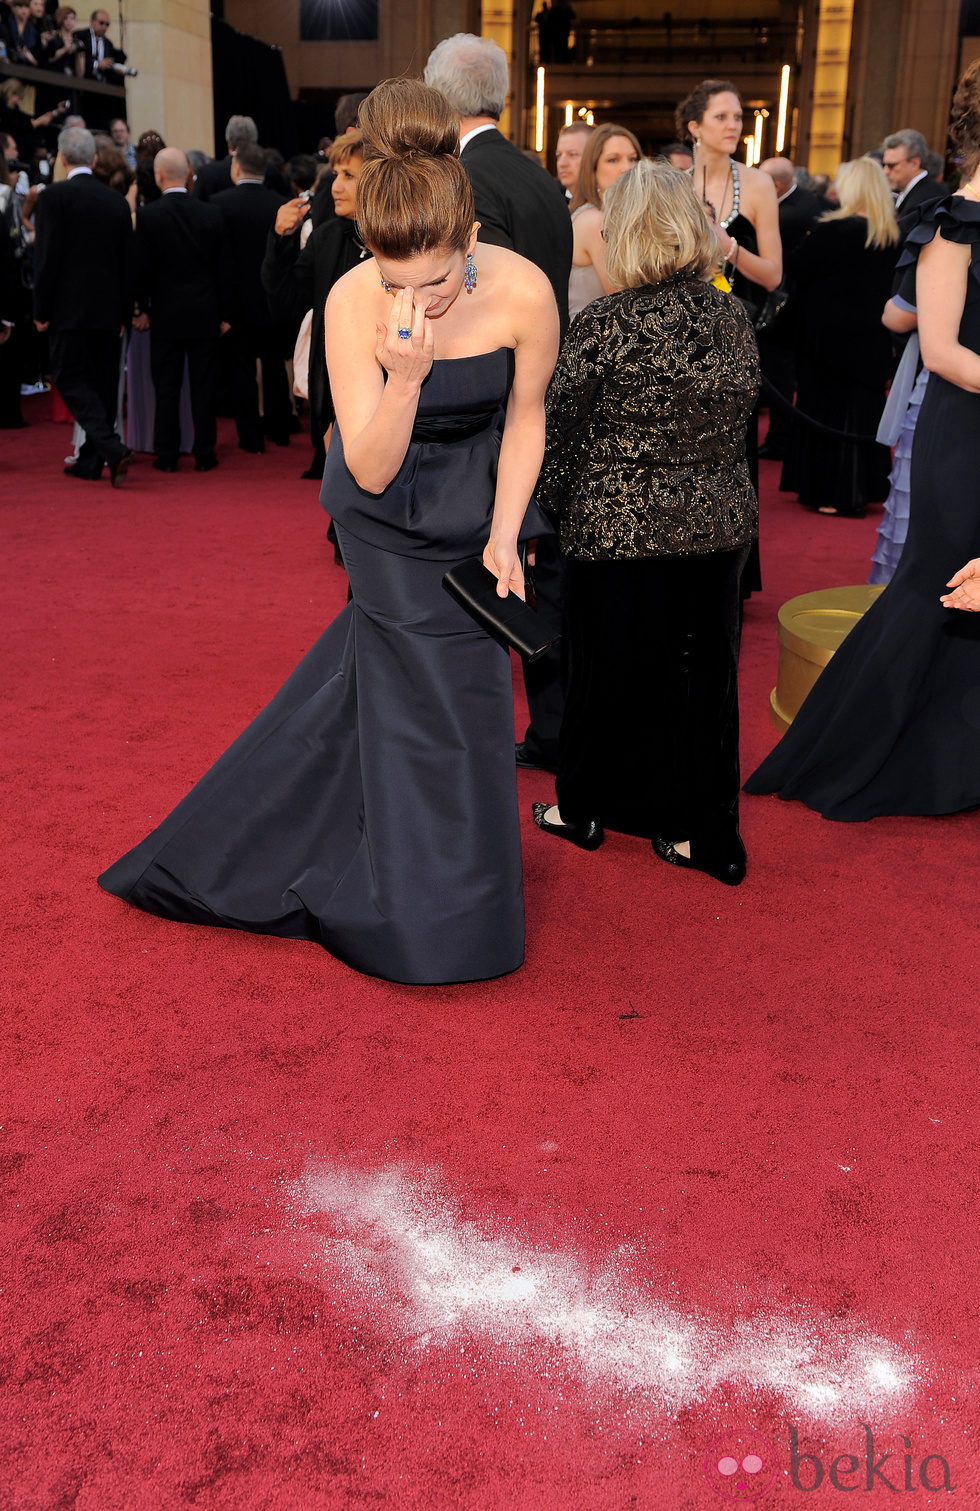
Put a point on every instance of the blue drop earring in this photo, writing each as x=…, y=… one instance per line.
x=384, y=282
x=469, y=276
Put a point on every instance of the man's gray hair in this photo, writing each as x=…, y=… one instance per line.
x=471, y=72
x=914, y=143
x=239, y=130
x=77, y=146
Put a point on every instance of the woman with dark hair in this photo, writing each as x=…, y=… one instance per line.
x=645, y=471
x=20, y=35
x=609, y=152
x=372, y=807
x=741, y=201
x=110, y=164
x=145, y=190
x=892, y=726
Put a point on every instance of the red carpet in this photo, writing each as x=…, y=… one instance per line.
x=693, y=1192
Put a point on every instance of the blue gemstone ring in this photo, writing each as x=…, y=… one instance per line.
x=404, y=334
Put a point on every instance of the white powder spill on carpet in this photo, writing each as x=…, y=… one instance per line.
x=430, y=1277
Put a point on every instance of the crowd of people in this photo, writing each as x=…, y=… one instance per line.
x=416, y=285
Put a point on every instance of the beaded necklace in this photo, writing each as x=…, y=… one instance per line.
x=736, y=194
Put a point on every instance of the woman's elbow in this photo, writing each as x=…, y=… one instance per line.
x=369, y=482
x=773, y=278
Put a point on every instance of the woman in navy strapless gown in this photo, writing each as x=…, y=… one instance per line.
x=893, y=724
x=371, y=806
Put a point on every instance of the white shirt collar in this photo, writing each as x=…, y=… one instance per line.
x=909, y=186
x=492, y=126
x=177, y=189
x=73, y=172
x=791, y=190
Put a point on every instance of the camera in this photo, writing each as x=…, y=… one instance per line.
x=124, y=68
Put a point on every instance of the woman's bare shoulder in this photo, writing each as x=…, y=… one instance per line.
x=509, y=270
x=361, y=278
x=756, y=183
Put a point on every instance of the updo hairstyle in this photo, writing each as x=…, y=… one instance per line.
x=413, y=195
x=964, y=124
x=693, y=108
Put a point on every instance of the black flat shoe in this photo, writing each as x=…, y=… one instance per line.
x=588, y=836
x=165, y=464
x=731, y=871
x=205, y=463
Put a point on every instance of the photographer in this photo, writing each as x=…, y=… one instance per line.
x=26, y=130
x=62, y=46
x=20, y=35
x=98, y=58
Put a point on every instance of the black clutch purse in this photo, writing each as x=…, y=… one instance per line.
x=511, y=621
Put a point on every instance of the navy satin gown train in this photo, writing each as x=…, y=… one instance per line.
x=372, y=805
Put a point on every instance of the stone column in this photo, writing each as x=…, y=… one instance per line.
x=169, y=42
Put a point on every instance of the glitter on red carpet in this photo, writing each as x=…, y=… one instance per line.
x=680, y=1215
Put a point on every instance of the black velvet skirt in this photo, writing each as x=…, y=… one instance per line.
x=649, y=740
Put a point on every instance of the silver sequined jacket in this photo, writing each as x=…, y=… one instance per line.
x=647, y=412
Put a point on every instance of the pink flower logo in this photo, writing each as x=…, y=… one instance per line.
x=741, y=1465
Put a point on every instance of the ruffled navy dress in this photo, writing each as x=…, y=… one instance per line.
x=372, y=805
x=892, y=726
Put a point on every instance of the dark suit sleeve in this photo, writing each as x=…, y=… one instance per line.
x=287, y=277
x=48, y=252
x=491, y=210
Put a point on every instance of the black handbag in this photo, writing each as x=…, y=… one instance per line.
x=511, y=621
x=763, y=314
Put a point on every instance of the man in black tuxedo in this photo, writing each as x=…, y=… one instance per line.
x=518, y=204
x=101, y=60
x=903, y=160
x=799, y=211
x=214, y=178
x=522, y=207
x=83, y=296
x=99, y=55
x=178, y=281
x=248, y=211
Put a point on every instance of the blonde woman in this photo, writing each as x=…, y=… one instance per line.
x=609, y=152
x=645, y=472
x=844, y=272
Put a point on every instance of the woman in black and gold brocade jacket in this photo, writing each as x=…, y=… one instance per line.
x=646, y=477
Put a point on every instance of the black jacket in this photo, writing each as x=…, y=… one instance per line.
x=798, y=214
x=925, y=192
x=248, y=213
x=83, y=256
x=178, y=266
x=521, y=207
x=842, y=287
x=646, y=413
x=86, y=38
x=296, y=281
x=213, y=178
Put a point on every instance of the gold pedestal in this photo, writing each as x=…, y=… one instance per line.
x=811, y=628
